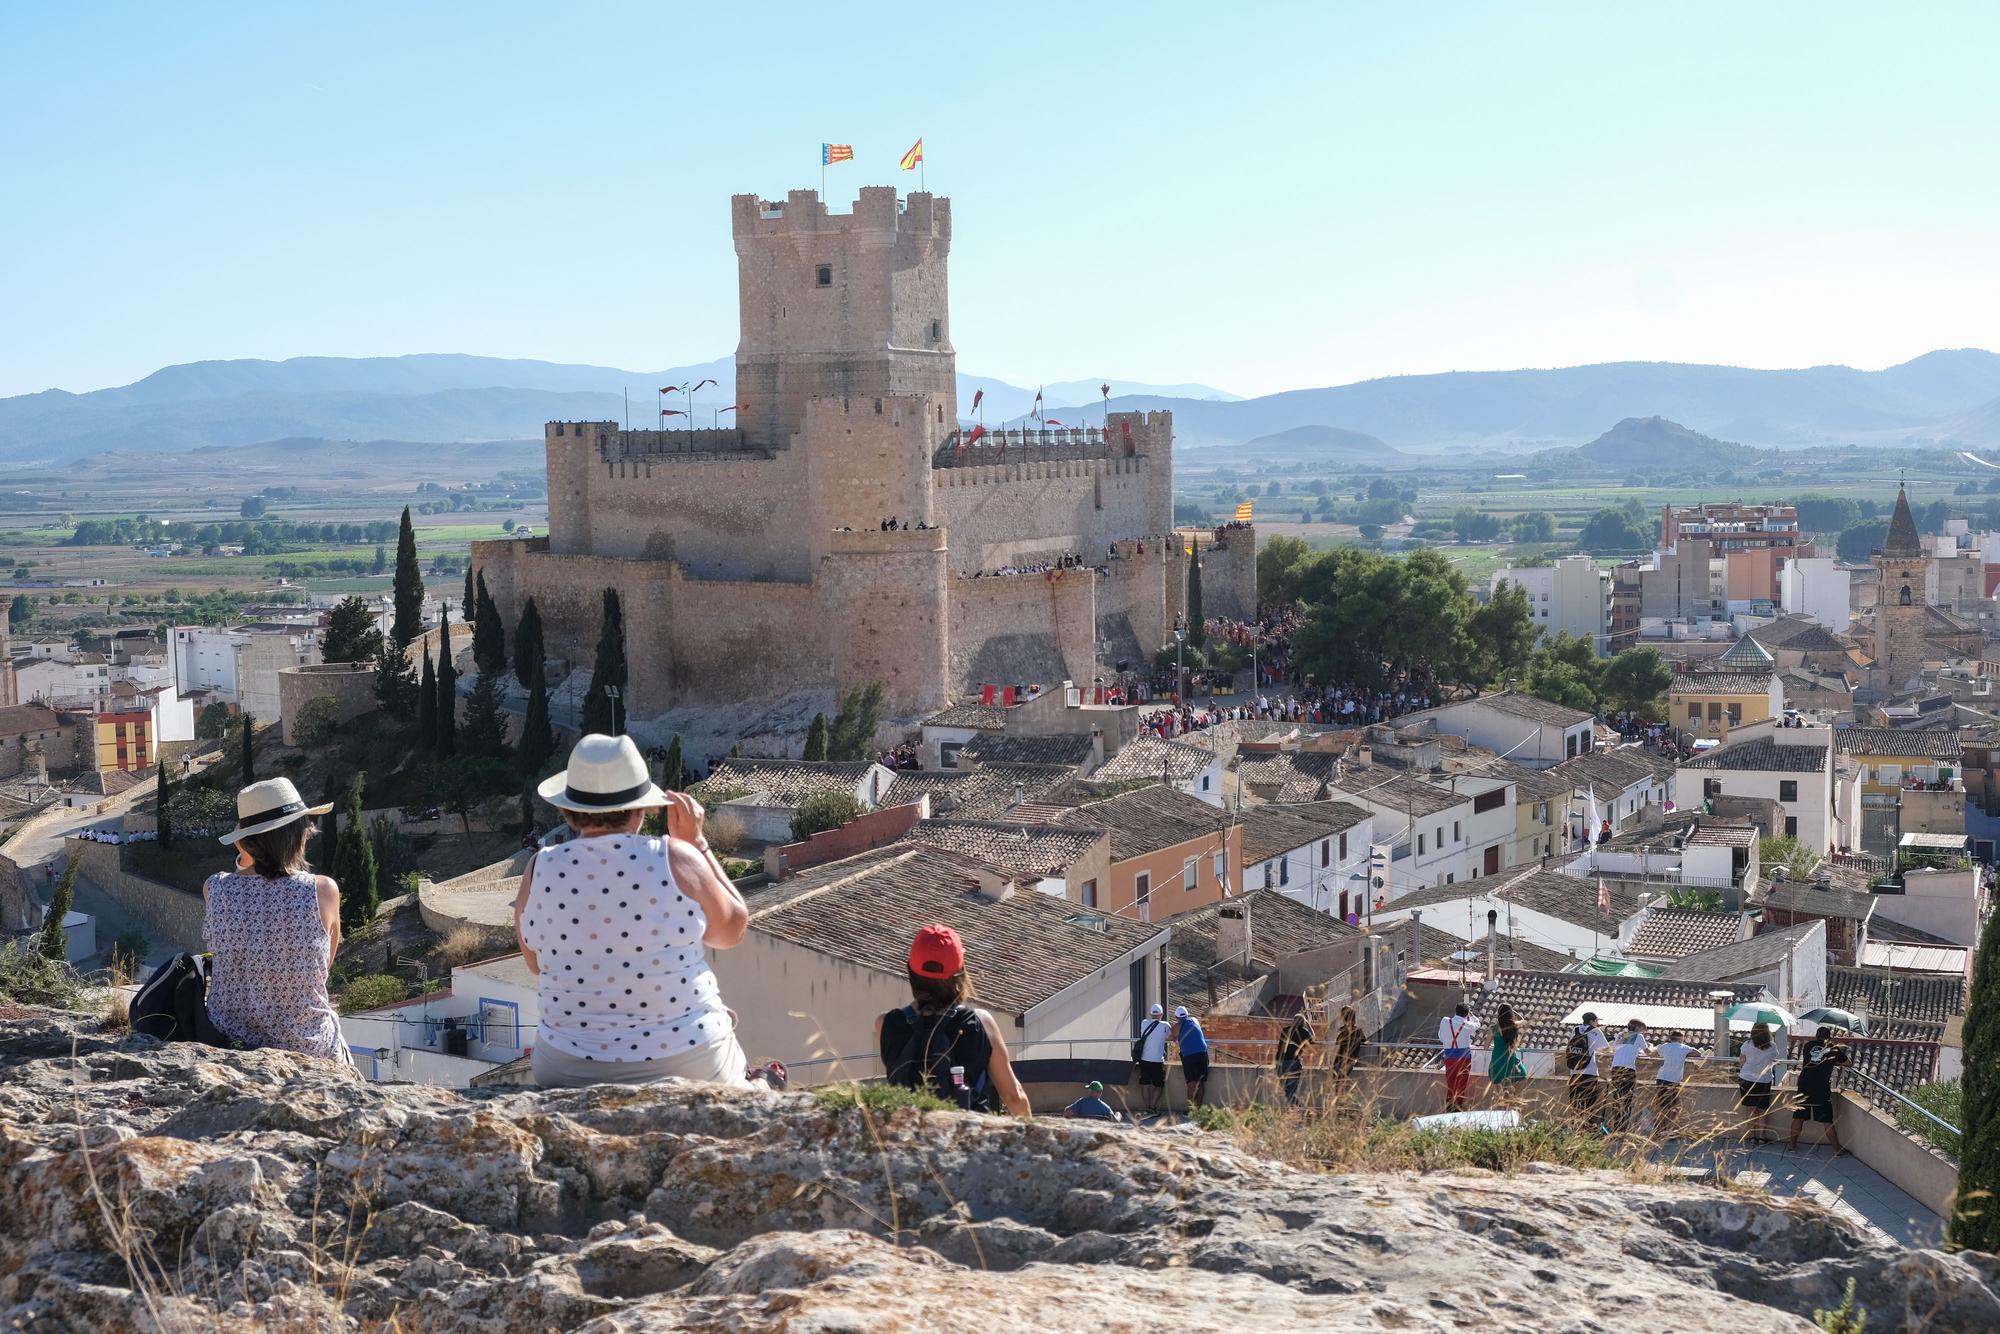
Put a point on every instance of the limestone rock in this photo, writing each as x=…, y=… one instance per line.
x=145, y=1186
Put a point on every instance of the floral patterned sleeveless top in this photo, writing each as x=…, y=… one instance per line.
x=267, y=986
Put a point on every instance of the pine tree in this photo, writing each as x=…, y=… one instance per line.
x=673, y=773
x=1975, y=1218
x=249, y=752
x=602, y=712
x=447, y=689
x=485, y=729
x=350, y=635
x=489, y=636
x=528, y=647
x=163, y=804
x=427, y=708
x=409, y=592
x=53, y=942
x=816, y=738
x=1195, y=633
x=354, y=865
x=538, y=738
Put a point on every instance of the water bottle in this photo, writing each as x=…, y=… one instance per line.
x=959, y=1092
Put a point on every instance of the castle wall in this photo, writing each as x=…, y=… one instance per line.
x=742, y=640
x=869, y=460
x=1014, y=512
x=1023, y=628
x=884, y=615
x=1229, y=575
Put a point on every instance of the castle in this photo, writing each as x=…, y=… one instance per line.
x=752, y=561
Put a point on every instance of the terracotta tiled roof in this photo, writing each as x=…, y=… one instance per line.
x=1149, y=819
x=1937, y=743
x=1901, y=1065
x=1069, y=749
x=1271, y=831
x=1720, y=683
x=21, y=719
x=784, y=782
x=1399, y=788
x=1565, y=897
x=1279, y=927
x=1756, y=954
x=1798, y=633
x=1531, y=708
x=1030, y=849
x=1437, y=947
x=984, y=793
x=1675, y=933
x=1873, y=992
x=1148, y=757
x=1765, y=756
x=1718, y=834
x=985, y=717
x=1817, y=900
x=865, y=910
x=1289, y=776
x=1541, y=1001
x=1612, y=770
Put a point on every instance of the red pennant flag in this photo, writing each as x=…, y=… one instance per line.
x=1038, y=395
x=671, y=389
x=1128, y=429
x=703, y=385
x=733, y=407
x=670, y=412
x=978, y=397
x=977, y=431
x=1054, y=422
x=1104, y=389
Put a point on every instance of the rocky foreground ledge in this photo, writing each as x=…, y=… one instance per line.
x=145, y=1187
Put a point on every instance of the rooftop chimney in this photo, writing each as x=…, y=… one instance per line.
x=1232, y=937
x=995, y=885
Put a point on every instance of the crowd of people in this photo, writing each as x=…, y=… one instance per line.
x=115, y=837
x=1066, y=562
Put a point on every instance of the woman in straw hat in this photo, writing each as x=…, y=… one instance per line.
x=614, y=924
x=272, y=928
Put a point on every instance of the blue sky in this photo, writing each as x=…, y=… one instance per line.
x=1259, y=197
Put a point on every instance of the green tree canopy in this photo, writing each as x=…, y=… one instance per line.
x=816, y=738
x=851, y=735
x=1615, y=532
x=1196, y=630
x=1281, y=563
x=1534, y=526
x=489, y=636
x=1860, y=540
x=485, y=729
x=354, y=864
x=1635, y=680
x=529, y=649
x=1503, y=635
x=1567, y=671
x=604, y=704
x=1975, y=1216
x=538, y=738
x=52, y=942
x=828, y=810
x=350, y=634
x=446, y=734
x=1473, y=525
x=213, y=724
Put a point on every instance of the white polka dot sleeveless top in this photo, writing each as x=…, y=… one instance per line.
x=623, y=974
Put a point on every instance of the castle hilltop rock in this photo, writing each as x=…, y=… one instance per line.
x=752, y=558
x=148, y=1187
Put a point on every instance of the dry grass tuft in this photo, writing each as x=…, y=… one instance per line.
x=465, y=944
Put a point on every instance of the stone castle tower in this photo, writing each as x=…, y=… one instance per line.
x=1900, y=604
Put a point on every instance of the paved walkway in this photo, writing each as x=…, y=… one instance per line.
x=1846, y=1185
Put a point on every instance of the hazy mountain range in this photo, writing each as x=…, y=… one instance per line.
x=1946, y=398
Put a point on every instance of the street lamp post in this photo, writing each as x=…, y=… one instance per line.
x=617, y=698
x=1180, y=668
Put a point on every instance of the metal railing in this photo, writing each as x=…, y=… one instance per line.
x=1924, y=1112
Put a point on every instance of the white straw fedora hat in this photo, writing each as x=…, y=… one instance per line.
x=606, y=773
x=271, y=804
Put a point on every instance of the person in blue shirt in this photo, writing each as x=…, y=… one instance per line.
x=1193, y=1045
x=1091, y=1106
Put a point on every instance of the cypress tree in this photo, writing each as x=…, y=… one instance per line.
x=409, y=592
x=329, y=830
x=538, y=738
x=673, y=774
x=53, y=942
x=485, y=730
x=163, y=804
x=469, y=606
x=1195, y=634
x=1975, y=1215
x=816, y=738
x=447, y=689
x=489, y=636
x=249, y=753
x=354, y=865
x=427, y=708
x=601, y=713
x=528, y=647
x=394, y=689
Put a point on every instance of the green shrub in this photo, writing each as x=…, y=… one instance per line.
x=313, y=727
x=1944, y=1099
x=877, y=1099
x=828, y=810
x=372, y=991
x=27, y=977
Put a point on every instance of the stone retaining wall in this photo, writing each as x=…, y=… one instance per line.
x=172, y=916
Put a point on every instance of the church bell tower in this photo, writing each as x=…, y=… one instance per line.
x=1900, y=604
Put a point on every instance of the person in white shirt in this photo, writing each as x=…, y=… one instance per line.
x=1152, y=1060
x=1625, y=1073
x=1580, y=1059
x=1455, y=1034
x=1757, y=1079
x=1674, y=1056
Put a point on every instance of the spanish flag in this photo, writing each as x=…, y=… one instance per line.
x=1244, y=512
x=831, y=153
x=914, y=156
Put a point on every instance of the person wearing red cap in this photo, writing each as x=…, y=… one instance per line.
x=939, y=1042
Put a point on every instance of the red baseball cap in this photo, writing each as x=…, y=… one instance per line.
x=937, y=952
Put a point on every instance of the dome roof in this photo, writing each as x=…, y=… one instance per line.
x=1746, y=655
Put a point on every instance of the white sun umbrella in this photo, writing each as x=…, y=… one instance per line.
x=1761, y=1012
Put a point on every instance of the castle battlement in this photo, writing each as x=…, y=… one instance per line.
x=877, y=210
x=1032, y=467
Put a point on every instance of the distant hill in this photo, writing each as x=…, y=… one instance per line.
x=1655, y=442
x=1318, y=442
x=1946, y=397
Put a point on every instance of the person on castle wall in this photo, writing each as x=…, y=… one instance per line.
x=614, y=923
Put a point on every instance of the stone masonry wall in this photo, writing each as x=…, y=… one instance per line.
x=1229, y=576
x=1019, y=512
x=172, y=916
x=351, y=687
x=1017, y=629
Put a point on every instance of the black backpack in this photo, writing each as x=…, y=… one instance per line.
x=1139, y=1043
x=173, y=1005
x=1577, y=1054
x=920, y=1053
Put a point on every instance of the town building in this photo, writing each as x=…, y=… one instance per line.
x=1816, y=587
x=1900, y=629
x=1897, y=781
x=1791, y=766
x=240, y=665
x=849, y=528
x=1441, y=829
x=1170, y=853
x=1752, y=542
x=1532, y=732
x=1737, y=687
x=1569, y=596
x=1315, y=854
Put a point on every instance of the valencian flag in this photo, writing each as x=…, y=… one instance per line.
x=830, y=153
x=913, y=157
x=1244, y=512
